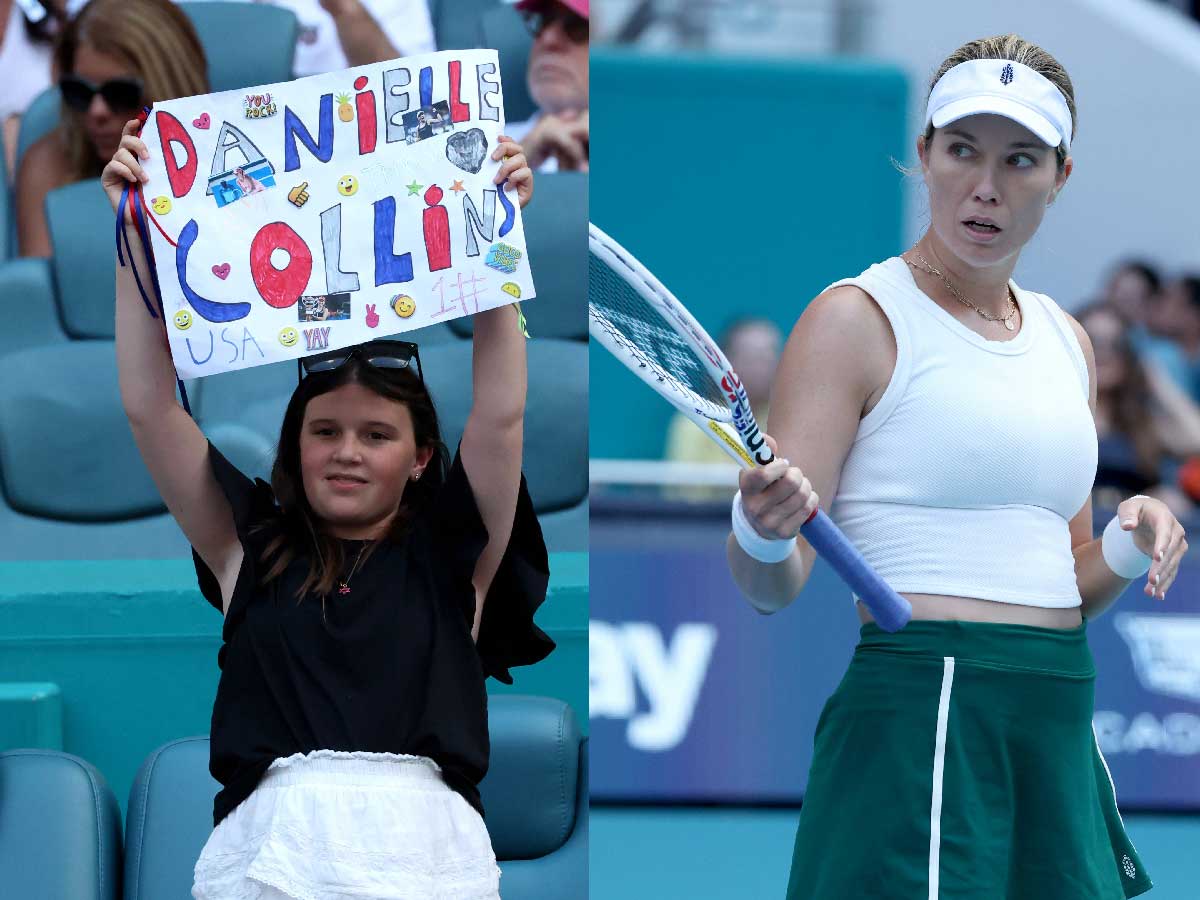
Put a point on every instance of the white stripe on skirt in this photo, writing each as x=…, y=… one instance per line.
x=939, y=765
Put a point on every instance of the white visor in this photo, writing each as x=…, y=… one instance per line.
x=1001, y=88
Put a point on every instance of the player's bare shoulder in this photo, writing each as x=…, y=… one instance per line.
x=853, y=338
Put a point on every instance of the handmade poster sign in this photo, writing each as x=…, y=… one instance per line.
x=322, y=212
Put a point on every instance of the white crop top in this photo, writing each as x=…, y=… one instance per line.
x=962, y=480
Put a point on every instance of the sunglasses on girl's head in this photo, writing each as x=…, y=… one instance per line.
x=120, y=94
x=388, y=355
x=573, y=25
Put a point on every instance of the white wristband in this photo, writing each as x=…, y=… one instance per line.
x=760, y=548
x=1120, y=552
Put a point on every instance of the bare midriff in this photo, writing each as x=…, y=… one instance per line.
x=969, y=609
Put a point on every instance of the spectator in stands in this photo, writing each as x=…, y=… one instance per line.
x=26, y=36
x=1144, y=423
x=753, y=346
x=1135, y=292
x=556, y=137
x=114, y=57
x=1131, y=290
x=337, y=34
x=1177, y=315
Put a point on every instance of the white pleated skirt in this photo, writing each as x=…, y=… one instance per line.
x=331, y=825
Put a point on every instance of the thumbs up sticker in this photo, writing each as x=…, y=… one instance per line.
x=299, y=194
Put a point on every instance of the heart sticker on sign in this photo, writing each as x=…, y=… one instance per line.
x=467, y=149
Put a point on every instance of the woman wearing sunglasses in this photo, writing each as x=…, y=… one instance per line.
x=368, y=591
x=114, y=57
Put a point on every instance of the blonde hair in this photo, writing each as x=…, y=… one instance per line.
x=153, y=37
x=1013, y=48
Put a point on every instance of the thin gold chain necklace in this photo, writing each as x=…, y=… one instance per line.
x=1007, y=318
x=344, y=587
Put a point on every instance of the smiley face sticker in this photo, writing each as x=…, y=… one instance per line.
x=347, y=185
x=183, y=320
x=288, y=336
x=161, y=205
x=404, y=305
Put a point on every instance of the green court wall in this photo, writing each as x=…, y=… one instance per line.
x=110, y=660
x=747, y=186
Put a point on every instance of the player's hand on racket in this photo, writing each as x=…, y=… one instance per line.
x=1158, y=534
x=126, y=167
x=514, y=168
x=777, y=498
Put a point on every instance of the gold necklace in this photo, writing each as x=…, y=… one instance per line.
x=345, y=585
x=1007, y=318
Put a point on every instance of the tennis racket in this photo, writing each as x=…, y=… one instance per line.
x=641, y=323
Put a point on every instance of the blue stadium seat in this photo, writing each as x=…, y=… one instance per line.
x=40, y=118
x=556, y=445
x=81, y=220
x=31, y=310
x=60, y=828
x=228, y=30
x=72, y=481
x=465, y=24
x=556, y=239
x=535, y=797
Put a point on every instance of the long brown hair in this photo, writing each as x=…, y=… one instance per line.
x=297, y=532
x=155, y=38
x=1013, y=48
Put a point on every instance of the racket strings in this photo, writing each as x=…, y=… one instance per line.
x=638, y=327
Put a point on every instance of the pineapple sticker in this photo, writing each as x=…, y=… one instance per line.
x=345, y=110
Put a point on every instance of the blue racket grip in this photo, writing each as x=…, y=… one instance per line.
x=891, y=611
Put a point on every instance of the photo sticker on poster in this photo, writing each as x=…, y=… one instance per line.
x=427, y=122
x=324, y=307
x=239, y=169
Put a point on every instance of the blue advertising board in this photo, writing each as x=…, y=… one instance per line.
x=695, y=697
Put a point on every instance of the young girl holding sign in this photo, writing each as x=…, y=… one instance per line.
x=948, y=416
x=368, y=591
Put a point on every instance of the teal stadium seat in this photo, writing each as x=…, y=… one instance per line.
x=465, y=24
x=72, y=482
x=556, y=239
x=39, y=118
x=226, y=32
x=60, y=828
x=80, y=220
x=31, y=310
x=535, y=798
x=556, y=444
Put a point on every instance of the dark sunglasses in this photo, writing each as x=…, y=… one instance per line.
x=574, y=26
x=120, y=94
x=388, y=355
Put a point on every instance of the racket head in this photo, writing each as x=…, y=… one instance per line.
x=633, y=316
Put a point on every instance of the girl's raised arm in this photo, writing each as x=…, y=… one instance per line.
x=173, y=447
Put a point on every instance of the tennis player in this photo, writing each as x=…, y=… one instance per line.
x=367, y=593
x=947, y=414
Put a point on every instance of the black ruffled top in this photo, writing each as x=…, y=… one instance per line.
x=389, y=667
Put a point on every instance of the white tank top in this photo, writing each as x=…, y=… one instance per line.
x=962, y=480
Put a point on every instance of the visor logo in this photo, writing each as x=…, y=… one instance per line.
x=1006, y=76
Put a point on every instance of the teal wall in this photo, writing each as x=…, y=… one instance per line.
x=746, y=186
x=132, y=648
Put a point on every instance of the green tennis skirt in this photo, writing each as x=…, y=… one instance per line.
x=957, y=760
